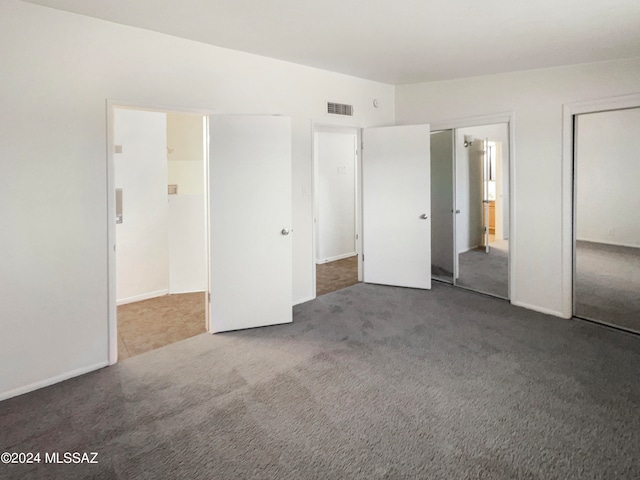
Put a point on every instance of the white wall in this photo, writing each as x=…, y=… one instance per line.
x=188, y=176
x=187, y=244
x=336, y=218
x=536, y=99
x=185, y=152
x=608, y=177
x=58, y=70
x=142, y=256
x=185, y=136
x=186, y=220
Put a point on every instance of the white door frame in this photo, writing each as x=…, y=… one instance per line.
x=509, y=119
x=112, y=323
x=321, y=126
x=569, y=111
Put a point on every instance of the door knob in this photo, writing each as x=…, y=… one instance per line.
x=285, y=231
x=424, y=216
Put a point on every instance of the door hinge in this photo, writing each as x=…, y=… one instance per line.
x=209, y=297
x=361, y=145
x=363, y=257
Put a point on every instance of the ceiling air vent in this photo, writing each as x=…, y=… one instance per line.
x=339, y=109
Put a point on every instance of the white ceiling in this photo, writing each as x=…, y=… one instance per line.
x=393, y=41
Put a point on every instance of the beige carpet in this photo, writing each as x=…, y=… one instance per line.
x=336, y=275
x=154, y=323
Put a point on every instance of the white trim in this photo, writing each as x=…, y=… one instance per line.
x=569, y=110
x=337, y=257
x=181, y=292
x=491, y=119
x=536, y=308
x=304, y=300
x=112, y=322
x=324, y=126
x=612, y=244
x=141, y=297
x=51, y=380
x=477, y=121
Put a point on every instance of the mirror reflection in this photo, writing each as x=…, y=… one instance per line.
x=607, y=222
x=442, y=205
x=482, y=209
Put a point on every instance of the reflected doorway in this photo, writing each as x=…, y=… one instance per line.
x=470, y=208
x=607, y=225
x=482, y=209
x=335, y=208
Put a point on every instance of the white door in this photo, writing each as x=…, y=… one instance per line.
x=396, y=203
x=250, y=221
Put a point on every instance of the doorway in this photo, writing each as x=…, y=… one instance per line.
x=248, y=220
x=606, y=286
x=161, y=273
x=336, y=252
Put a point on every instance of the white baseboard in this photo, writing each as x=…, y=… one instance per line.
x=50, y=381
x=304, y=300
x=178, y=292
x=614, y=244
x=468, y=249
x=546, y=311
x=337, y=257
x=144, y=296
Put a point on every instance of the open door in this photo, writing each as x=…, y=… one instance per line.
x=396, y=203
x=250, y=221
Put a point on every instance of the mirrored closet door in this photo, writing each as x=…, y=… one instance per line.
x=482, y=209
x=607, y=218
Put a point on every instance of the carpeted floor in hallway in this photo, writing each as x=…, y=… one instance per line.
x=336, y=275
x=160, y=321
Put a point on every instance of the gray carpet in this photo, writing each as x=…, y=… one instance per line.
x=441, y=274
x=369, y=382
x=607, y=284
x=486, y=272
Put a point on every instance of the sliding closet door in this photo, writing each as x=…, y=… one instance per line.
x=442, y=206
x=607, y=224
x=250, y=221
x=396, y=206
